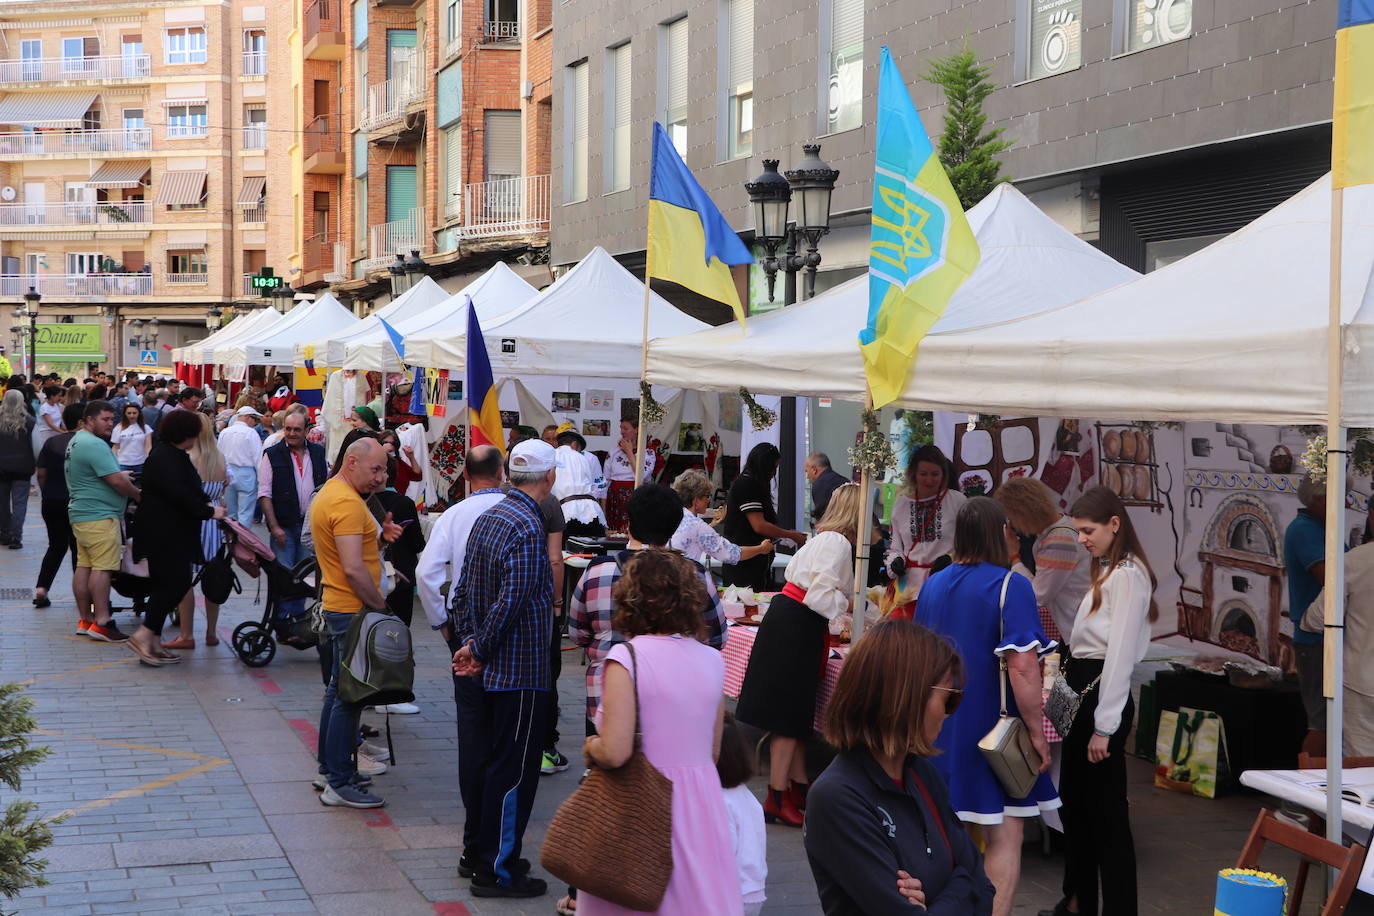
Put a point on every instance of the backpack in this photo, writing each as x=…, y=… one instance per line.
x=378, y=663
x=217, y=580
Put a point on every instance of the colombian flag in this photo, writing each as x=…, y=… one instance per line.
x=484, y=412
x=922, y=247
x=690, y=243
x=1352, y=123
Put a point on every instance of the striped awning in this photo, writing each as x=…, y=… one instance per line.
x=196, y=101
x=181, y=188
x=46, y=109
x=254, y=187
x=119, y=173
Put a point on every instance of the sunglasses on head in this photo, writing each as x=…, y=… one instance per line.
x=953, y=697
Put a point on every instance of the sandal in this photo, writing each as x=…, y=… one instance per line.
x=180, y=642
x=145, y=657
x=565, y=907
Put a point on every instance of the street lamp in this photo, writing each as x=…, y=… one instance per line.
x=212, y=319
x=283, y=296
x=31, y=300
x=811, y=183
x=17, y=331
x=770, y=193
x=399, y=280
x=415, y=268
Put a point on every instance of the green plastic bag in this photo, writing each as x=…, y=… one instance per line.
x=1190, y=752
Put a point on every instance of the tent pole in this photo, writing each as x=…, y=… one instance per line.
x=1333, y=649
x=862, y=545
x=638, y=456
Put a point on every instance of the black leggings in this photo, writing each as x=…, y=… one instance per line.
x=171, y=577
x=61, y=541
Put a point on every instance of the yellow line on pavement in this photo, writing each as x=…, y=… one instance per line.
x=146, y=787
x=50, y=677
x=125, y=744
x=49, y=633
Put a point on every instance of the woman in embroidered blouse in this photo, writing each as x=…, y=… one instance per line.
x=1110, y=636
x=923, y=518
x=699, y=540
x=779, y=690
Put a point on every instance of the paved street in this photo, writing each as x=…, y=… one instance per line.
x=188, y=788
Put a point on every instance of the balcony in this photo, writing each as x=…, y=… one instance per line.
x=181, y=131
x=249, y=290
x=324, y=36
x=255, y=136
x=507, y=206
x=77, y=285
x=256, y=214
x=500, y=30
x=254, y=63
x=399, y=236
x=15, y=145
x=388, y=101
x=114, y=213
x=198, y=278
x=106, y=69
x=324, y=150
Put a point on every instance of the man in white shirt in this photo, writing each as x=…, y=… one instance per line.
x=442, y=559
x=242, y=449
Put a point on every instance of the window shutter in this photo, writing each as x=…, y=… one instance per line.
x=502, y=144
x=577, y=140
x=622, y=86
x=846, y=26
x=740, y=70
x=450, y=89
x=400, y=192
x=453, y=166
x=359, y=154
x=677, y=67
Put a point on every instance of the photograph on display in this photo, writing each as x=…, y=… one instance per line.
x=690, y=438
x=599, y=399
x=596, y=427
x=629, y=409
x=510, y=419
x=1055, y=34
x=567, y=402
x=731, y=412
x=455, y=389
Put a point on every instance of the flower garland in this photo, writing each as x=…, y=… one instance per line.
x=1361, y=455
x=651, y=411
x=873, y=453
x=760, y=417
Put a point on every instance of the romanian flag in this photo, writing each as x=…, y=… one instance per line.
x=1352, y=122
x=922, y=247
x=484, y=411
x=690, y=243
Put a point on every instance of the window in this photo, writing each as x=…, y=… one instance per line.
x=84, y=262
x=1149, y=23
x=453, y=171
x=134, y=62
x=575, y=126
x=618, y=121
x=186, y=121
x=187, y=262
x=360, y=85
x=359, y=154
x=186, y=46
x=844, y=79
x=1053, y=38
x=321, y=202
x=133, y=119
x=360, y=23
x=502, y=22
x=254, y=52
x=673, y=90
x=503, y=136
x=360, y=215
x=453, y=26
x=400, y=54
x=255, y=126
x=31, y=56
x=400, y=192
x=738, y=71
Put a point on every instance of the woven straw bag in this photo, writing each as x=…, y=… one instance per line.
x=613, y=837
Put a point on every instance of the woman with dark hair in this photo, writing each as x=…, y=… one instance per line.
x=750, y=518
x=166, y=529
x=990, y=616
x=880, y=833
x=620, y=472
x=49, y=417
x=1110, y=636
x=52, y=485
x=923, y=518
x=131, y=439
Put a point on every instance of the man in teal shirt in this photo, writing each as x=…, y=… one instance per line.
x=99, y=494
x=1304, y=555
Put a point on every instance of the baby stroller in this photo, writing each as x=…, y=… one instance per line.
x=255, y=641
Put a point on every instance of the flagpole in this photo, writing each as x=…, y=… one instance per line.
x=862, y=544
x=1334, y=584
x=643, y=375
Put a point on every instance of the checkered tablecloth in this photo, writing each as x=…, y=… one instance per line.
x=739, y=643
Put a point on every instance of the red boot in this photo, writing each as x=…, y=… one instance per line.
x=797, y=791
x=779, y=808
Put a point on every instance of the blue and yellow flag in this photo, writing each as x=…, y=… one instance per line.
x=922, y=246
x=484, y=411
x=690, y=243
x=1352, y=122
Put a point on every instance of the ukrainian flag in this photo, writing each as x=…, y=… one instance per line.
x=921, y=248
x=690, y=243
x=484, y=412
x=1352, y=122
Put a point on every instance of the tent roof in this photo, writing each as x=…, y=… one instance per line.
x=329, y=351
x=1235, y=332
x=275, y=346
x=1029, y=263
x=202, y=352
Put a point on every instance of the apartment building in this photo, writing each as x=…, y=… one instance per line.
x=135, y=140
x=427, y=129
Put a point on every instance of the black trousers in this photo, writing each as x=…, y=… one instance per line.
x=61, y=541
x=171, y=575
x=499, y=747
x=401, y=601
x=555, y=669
x=1097, y=824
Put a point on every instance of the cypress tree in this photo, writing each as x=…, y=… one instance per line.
x=968, y=150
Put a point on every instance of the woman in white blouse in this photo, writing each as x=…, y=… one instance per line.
x=1110, y=636
x=620, y=474
x=779, y=691
x=131, y=439
x=923, y=518
x=49, y=417
x=699, y=540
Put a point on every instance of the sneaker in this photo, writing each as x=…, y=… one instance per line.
x=107, y=632
x=370, y=766
x=350, y=797
x=83, y=628
x=554, y=762
x=400, y=709
x=16, y=545
x=375, y=751
x=321, y=782
x=520, y=886
x=467, y=868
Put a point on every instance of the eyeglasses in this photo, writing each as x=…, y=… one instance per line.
x=954, y=698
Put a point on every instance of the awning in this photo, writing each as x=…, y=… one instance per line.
x=254, y=187
x=196, y=101
x=46, y=109
x=181, y=188
x=120, y=173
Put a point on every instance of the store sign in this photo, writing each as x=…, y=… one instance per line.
x=1056, y=31
x=1156, y=22
x=69, y=340
x=265, y=281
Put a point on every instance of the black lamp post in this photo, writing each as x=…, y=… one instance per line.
x=31, y=300
x=811, y=183
x=282, y=297
x=213, y=318
x=399, y=281
x=415, y=268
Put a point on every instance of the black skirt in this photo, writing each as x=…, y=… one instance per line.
x=779, y=691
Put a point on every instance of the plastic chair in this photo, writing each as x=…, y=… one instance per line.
x=1347, y=860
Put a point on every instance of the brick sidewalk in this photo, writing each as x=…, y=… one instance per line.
x=189, y=787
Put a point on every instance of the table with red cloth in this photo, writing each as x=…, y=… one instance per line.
x=739, y=644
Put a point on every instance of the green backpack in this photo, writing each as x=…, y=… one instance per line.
x=378, y=663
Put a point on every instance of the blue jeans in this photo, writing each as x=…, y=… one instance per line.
x=241, y=495
x=288, y=555
x=338, y=720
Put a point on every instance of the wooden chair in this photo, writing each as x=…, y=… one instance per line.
x=1347, y=860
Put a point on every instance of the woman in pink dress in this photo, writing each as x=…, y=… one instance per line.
x=681, y=703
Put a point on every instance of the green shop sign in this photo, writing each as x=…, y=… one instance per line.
x=74, y=340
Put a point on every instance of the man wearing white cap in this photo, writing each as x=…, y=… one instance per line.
x=242, y=449
x=503, y=614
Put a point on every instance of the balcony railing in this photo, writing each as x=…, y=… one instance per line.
x=57, y=69
x=76, y=285
x=133, y=140
x=337, y=272
x=399, y=236
x=319, y=253
x=75, y=214
x=249, y=291
x=322, y=136
x=387, y=101
x=500, y=30
x=187, y=130
x=198, y=278
x=254, y=63
x=321, y=16
x=256, y=214
x=255, y=136
x=507, y=206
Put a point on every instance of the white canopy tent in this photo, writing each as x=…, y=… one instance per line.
x=1029, y=264
x=201, y=353
x=276, y=345
x=495, y=294
x=588, y=323
x=329, y=350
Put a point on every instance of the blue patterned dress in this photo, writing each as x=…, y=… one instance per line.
x=211, y=536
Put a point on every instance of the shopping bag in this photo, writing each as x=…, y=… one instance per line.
x=1190, y=752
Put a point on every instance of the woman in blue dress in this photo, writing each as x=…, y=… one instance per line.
x=962, y=604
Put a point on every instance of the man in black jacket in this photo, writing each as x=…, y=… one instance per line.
x=288, y=475
x=824, y=482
